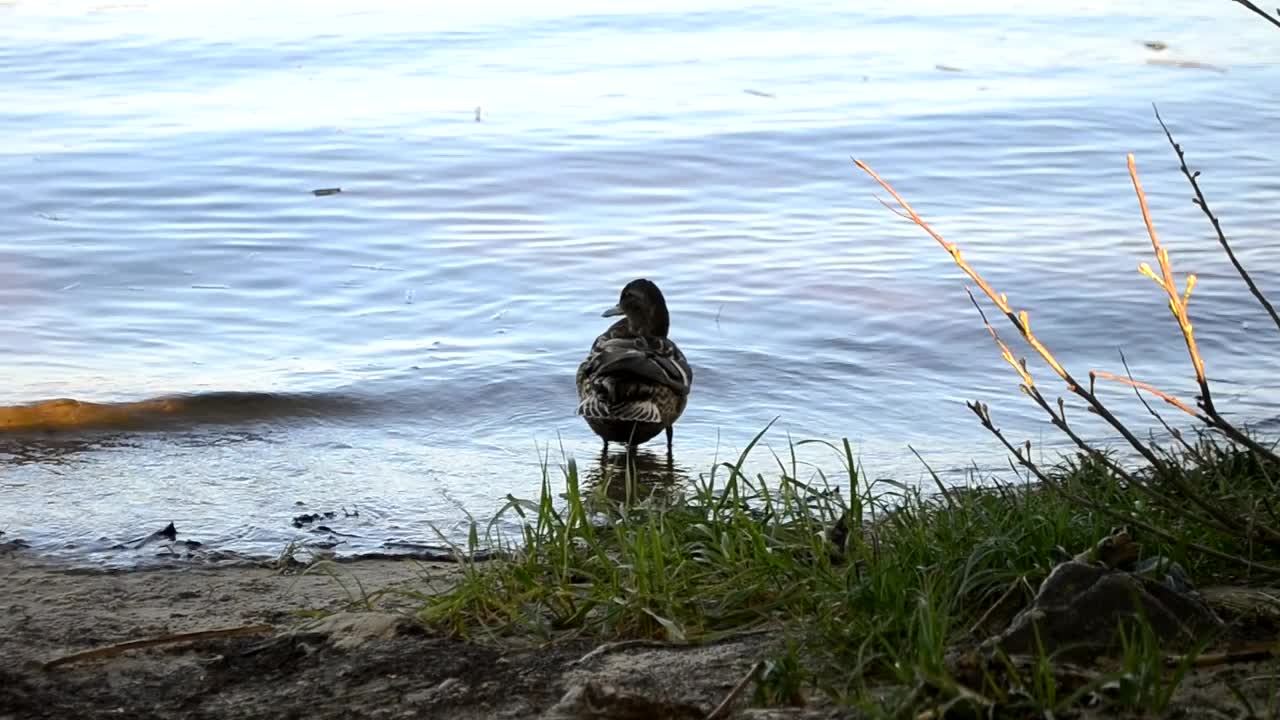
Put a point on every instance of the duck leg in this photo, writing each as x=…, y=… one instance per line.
x=668, y=439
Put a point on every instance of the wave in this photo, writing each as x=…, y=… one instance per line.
x=171, y=411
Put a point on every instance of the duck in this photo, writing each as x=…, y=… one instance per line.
x=635, y=381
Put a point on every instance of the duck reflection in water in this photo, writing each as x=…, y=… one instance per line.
x=635, y=475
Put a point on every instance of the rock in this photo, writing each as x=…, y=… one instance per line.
x=348, y=630
x=792, y=713
x=449, y=689
x=590, y=700
x=1079, y=609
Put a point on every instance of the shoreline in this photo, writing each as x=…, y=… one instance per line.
x=341, y=642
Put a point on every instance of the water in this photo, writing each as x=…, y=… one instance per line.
x=407, y=346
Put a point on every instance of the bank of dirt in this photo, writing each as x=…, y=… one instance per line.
x=332, y=650
x=342, y=644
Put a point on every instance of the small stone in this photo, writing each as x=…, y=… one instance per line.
x=349, y=630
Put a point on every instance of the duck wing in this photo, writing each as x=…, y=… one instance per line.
x=623, y=377
x=639, y=359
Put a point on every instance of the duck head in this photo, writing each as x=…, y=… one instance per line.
x=644, y=307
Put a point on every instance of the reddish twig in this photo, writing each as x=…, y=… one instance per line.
x=113, y=650
x=1151, y=389
x=1177, y=300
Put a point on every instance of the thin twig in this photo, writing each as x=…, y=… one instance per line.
x=1173, y=432
x=1249, y=653
x=1203, y=204
x=726, y=706
x=1005, y=352
x=627, y=645
x=121, y=648
x=1177, y=300
x=1260, y=11
x=611, y=647
x=1139, y=385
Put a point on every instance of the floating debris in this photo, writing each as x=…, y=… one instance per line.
x=321, y=192
x=169, y=533
x=477, y=113
x=1156, y=45
x=308, y=518
x=1192, y=64
x=12, y=545
x=759, y=93
x=947, y=68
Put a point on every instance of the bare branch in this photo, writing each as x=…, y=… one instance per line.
x=1176, y=304
x=1260, y=11
x=1203, y=204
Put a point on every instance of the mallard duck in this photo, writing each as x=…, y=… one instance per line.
x=635, y=382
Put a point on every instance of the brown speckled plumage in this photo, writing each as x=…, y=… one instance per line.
x=635, y=381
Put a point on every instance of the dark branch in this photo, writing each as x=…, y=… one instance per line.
x=1260, y=11
x=1203, y=204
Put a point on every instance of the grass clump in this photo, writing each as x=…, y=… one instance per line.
x=871, y=585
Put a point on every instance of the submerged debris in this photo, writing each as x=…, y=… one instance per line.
x=308, y=518
x=168, y=533
x=11, y=546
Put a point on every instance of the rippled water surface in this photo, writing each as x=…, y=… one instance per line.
x=406, y=348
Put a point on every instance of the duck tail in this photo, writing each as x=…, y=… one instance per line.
x=593, y=406
x=598, y=408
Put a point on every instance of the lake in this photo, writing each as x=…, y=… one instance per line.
x=405, y=348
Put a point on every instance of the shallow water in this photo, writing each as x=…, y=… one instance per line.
x=406, y=347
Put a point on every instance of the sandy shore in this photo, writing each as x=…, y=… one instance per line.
x=339, y=641
x=50, y=610
x=330, y=650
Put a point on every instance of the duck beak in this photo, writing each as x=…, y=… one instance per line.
x=614, y=311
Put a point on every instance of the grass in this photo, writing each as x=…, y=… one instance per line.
x=739, y=554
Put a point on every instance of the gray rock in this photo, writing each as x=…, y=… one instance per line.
x=593, y=700
x=1079, y=610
